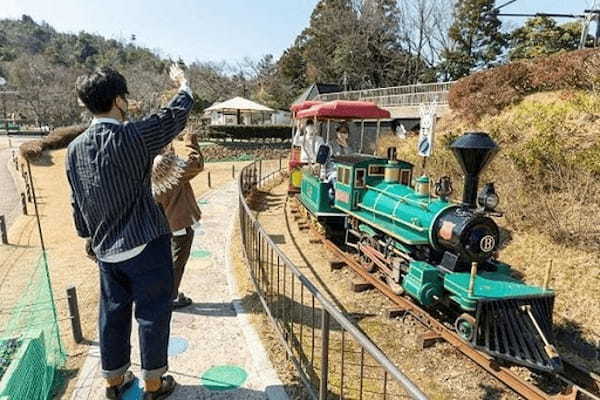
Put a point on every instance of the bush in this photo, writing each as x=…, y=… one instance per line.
x=31, y=150
x=250, y=131
x=489, y=92
x=61, y=137
x=57, y=139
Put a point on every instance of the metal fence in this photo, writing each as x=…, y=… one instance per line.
x=334, y=359
x=398, y=96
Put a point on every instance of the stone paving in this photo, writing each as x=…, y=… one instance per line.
x=9, y=198
x=214, y=352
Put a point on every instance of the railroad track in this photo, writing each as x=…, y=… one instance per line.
x=579, y=383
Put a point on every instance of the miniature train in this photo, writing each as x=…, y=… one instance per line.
x=440, y=253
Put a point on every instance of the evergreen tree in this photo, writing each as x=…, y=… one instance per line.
x=331, y=26
x=476, y=38
x=543, y=36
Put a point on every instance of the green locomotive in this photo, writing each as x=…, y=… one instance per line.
x=440, y=253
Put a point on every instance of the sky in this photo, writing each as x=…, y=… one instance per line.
x=207, y=30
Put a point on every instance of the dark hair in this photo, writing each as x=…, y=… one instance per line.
x=309, y=122
x=99, y=89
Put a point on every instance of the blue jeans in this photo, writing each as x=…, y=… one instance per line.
x=147, y=281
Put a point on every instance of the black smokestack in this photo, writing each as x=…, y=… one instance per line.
x=473, y=151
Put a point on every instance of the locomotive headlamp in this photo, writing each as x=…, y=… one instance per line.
x=487, y=198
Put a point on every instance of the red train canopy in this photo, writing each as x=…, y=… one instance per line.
x=304, y=105
x=341, y=109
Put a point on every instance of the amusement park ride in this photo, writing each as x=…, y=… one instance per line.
x=441, y=253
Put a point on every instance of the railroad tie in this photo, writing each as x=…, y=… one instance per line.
x=336, y=264
x=358, y=285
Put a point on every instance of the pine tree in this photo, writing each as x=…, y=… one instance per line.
x=543, y=36
x=476, y=36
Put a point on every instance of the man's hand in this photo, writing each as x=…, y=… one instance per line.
x=176, y=74
x=89, y=251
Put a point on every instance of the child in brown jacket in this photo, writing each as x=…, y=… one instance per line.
x=171, y=187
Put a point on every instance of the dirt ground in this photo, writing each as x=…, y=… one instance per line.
x=67, y=261
x=454, y=377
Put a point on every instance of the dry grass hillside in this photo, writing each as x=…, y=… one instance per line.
x=547, y=175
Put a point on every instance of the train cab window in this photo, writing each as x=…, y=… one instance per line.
x=343, y=175
x=359, y=179
x=405, y=177
x=376, y=170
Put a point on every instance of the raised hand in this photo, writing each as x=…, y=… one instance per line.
x=176, y=74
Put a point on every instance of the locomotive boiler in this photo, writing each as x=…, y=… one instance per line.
x=443, y=254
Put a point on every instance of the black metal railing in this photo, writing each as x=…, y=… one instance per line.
x=333, y=357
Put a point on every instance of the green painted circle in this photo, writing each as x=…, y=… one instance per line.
x=223, y=377
x=200, y=253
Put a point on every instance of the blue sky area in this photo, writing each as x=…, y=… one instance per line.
x=207, y=30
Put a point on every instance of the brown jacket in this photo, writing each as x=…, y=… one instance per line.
x=179, y=202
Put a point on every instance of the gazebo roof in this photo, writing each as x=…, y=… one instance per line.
x=239, y=103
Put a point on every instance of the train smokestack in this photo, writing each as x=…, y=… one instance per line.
x=473, y=151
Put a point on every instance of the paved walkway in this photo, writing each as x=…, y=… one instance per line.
x=214, y=352
x=9, y=198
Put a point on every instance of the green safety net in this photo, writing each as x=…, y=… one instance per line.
x=31, y=352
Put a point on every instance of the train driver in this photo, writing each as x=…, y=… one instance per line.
x=340, y=146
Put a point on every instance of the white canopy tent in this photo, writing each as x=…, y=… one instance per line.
x=239, y=105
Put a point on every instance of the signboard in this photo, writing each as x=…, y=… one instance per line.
x=426, y=134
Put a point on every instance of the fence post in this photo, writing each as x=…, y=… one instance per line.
x=280, y=163
x=259, y=171
x=233, y=170
x=3, y=229
x=208, y=176
x=74, y=314
x=24, y=203
x=324, y=355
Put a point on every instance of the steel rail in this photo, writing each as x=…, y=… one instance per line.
x=365, y=342
x=503, y=374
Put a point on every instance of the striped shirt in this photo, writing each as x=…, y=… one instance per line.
x=109, y=168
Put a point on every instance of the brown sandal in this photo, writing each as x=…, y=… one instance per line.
x=115, y=392
x=167, y=386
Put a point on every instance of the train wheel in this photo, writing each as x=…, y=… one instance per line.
x=465, y=327
x=365, y=261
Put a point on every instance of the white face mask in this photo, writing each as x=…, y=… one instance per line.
x=310, y=130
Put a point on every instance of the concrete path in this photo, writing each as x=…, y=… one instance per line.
x=214, y=352
x=9, y=198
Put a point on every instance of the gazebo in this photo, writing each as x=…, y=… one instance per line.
x=238, y=111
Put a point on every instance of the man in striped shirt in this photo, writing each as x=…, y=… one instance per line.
x=109, y=169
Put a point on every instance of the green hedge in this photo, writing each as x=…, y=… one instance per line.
x=250, y=131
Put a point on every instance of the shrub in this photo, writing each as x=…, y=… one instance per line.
x=61, y=137
x=57, y=139
x=489, y=92
x=31, y=150
x=250, y=131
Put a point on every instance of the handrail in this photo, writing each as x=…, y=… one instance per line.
x=407, y=95
x=248, y=181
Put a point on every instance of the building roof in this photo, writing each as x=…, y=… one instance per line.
x=316, y=89
x=239, y=103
